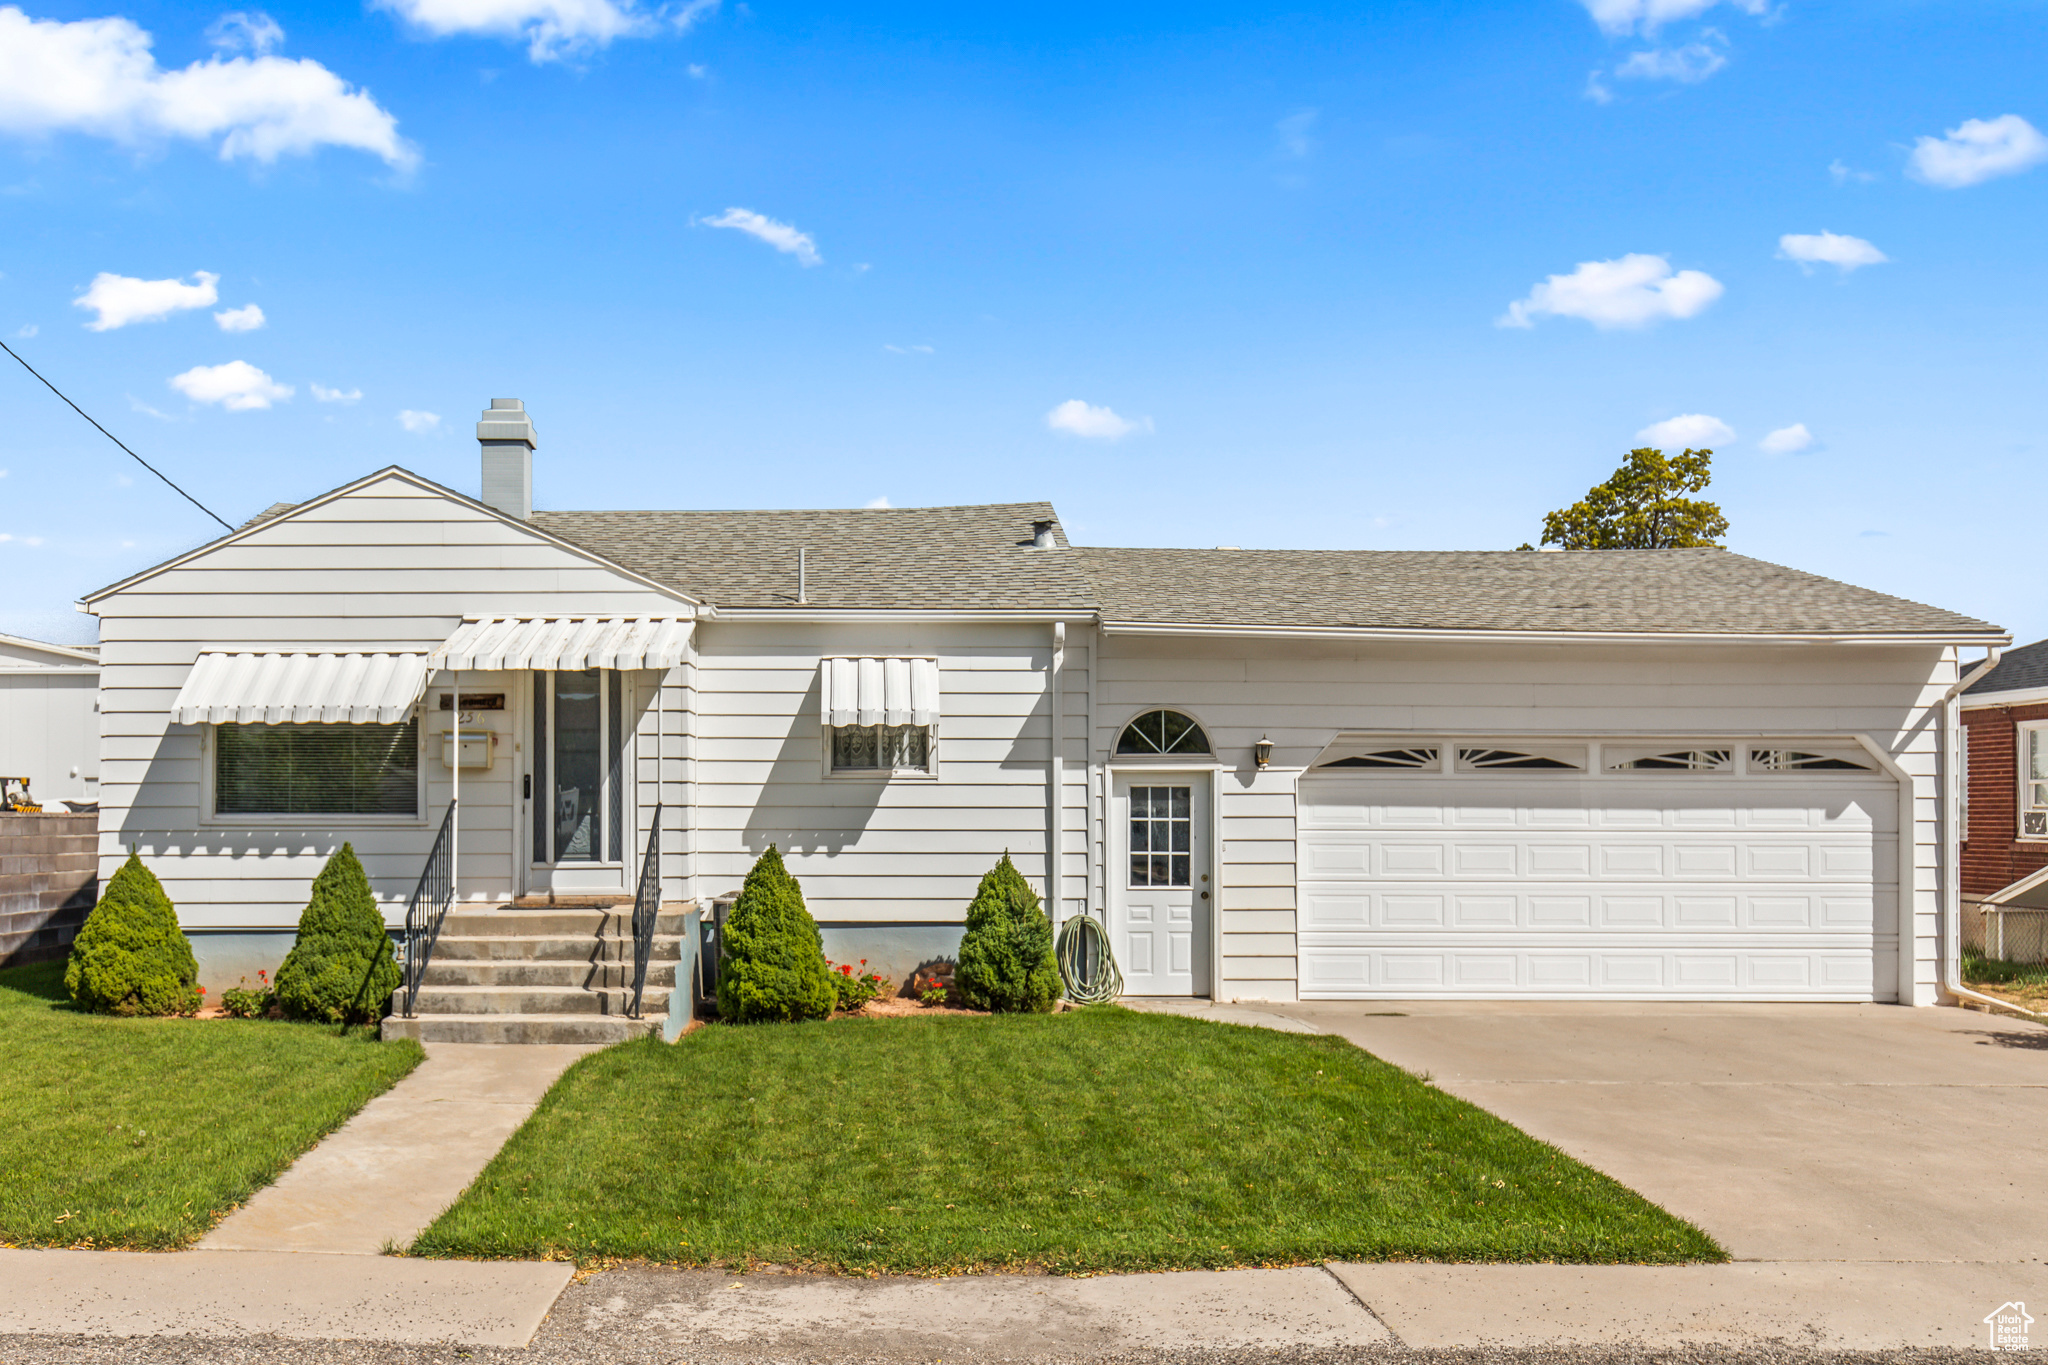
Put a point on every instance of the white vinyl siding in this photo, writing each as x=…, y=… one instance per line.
x=870, y=847
x=392, y=566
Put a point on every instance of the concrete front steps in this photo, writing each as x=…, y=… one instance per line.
x=551, y=974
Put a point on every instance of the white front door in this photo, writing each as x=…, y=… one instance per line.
x=1163, y=878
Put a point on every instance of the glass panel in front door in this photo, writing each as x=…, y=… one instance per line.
x=1162, y=830
x=578, y=768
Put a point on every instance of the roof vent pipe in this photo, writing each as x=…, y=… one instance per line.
x=1041, y=535
x=506, y=434
x=803, y=575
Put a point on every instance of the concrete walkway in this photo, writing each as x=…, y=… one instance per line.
x=389, y=1171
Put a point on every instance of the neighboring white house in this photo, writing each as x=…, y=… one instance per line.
x=1628, y=775
x=49, y=719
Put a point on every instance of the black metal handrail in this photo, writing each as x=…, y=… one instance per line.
x=646, y=910
x=427, y=908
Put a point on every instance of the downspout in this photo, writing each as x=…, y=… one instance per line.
x=1055, y=777
x=1951, y=846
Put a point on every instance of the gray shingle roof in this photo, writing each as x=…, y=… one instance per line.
x=2018, y=670
x=889, y=558
x=1681, y=591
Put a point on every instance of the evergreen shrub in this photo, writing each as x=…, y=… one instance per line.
x=341, y=970
x=1006, y=957
x=772, y=966
x=130, y=957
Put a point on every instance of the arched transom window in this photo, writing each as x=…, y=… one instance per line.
x=1162, y=732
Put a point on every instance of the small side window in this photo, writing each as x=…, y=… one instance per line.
x=881, y=748
x=1668, y=760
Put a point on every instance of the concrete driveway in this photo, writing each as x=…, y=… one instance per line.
x=1789, y=1132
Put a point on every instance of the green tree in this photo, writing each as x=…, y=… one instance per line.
x=772, y=962
x=130, y=957
x=1006, y=957
x=340, y=970
x=1642, y=508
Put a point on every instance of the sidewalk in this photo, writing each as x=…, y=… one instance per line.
x=389, y=1171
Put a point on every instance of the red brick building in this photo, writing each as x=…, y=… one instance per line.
x=2005, y=823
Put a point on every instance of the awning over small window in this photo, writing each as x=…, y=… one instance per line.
x=879, y=691
x=273, y=689
x=567, y=643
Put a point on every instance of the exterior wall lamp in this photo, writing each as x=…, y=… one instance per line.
x=1262, y=752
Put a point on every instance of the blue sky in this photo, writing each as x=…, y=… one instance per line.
x=1201, y=275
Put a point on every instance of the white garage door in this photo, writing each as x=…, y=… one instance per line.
x=1576, y=884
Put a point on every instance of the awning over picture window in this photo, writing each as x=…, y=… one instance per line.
x=566, y=643
x=276, y=689
x=879, y=691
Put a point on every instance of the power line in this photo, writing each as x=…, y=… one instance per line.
x=117, y=441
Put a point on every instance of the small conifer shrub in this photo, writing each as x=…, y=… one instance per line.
x=1006, y=957
x=772, y=966
x=130, y=957
x=341, y=970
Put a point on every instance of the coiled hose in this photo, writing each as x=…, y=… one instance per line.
x=1082, y=946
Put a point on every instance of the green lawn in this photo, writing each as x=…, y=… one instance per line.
x=143, y=1132
x=1096, y=1140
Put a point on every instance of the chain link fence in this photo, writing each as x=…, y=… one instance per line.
x=2003, y=933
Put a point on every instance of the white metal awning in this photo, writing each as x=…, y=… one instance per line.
x=879, y=691
x=568, y=643
x=272, y=689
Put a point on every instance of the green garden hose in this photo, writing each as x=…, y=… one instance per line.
x=1083, y=946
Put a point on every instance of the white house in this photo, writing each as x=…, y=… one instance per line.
x=49, y=719
x=1624, y=775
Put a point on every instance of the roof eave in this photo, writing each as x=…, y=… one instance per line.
x=1991, y=639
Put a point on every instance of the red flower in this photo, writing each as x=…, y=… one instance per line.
x=845, y=970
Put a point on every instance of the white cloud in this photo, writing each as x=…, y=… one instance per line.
x=147, y=410
x=1977, y=150
x=1633, y=291
x=1828, y=248
x=907, y=350
x=323, y=394
x=1294, y=133
x=1687, y=65
x=419, y=423
x=27, y=331
x=98, y=76
x=1786, y=440
x=781, y=236
x=1842, y=173
x=1619, y=17
x=551, y=29
x=122, y=299
x=1596, y=89
x=245, y=31
x=1077, y=418
x=245, y=319
x=1687, y=432
x=877, y=504
x=237, y=386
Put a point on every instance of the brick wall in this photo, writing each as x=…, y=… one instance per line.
x=49, y=882
x=1994, y=856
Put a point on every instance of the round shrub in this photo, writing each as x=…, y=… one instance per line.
x=1006, y=958
x=341, y=969
x=773, y=963
x=130, y=957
